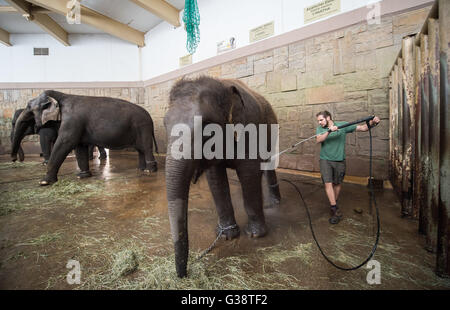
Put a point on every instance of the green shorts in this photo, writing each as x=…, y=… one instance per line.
x=332, y=171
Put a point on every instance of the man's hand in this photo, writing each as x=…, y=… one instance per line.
x=334, y=128
x=375, y=121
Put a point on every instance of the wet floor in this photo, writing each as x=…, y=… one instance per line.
x=115, y=224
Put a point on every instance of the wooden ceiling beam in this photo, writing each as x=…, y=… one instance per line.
x=97, y=20
x=34, y=9
x=7, y=9
x=42, y=20
x=4, y=37
x=162, y=9
x=51, y=27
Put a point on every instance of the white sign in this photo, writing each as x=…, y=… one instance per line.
x=321, y=9
x=226, y=45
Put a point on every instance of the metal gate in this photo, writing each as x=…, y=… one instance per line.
x=420, y=131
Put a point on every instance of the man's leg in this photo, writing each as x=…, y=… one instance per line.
x=337, y=190
x=329, y=189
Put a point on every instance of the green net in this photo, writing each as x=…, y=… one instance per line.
x=191, y=19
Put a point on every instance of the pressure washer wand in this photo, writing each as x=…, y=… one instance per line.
x=363, y=120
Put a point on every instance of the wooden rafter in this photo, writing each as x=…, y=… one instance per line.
x=7, y=9
x=97, y=20
x=42, y=20
x=162, y=9
x=4, y=37
x=34, y=9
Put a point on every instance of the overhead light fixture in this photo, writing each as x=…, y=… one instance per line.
x=28, y=17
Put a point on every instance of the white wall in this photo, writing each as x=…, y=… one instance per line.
x=220, y=20
x=91, y=57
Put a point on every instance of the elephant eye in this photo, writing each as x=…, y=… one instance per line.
x=46, y=105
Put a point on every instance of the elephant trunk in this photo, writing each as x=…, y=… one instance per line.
x=20, y=150
x=20, y=130
x=178, y=176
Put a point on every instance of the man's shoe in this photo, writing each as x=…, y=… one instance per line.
x=336, y=215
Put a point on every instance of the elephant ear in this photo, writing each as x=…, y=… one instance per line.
x=51, y=111
x=236, y=114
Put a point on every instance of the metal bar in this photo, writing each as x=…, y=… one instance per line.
x=424, y=133
x=400, y=139
x=443, y=246
x=408, y=124
x=417, y=177
x=433, y=48
x=391, y=108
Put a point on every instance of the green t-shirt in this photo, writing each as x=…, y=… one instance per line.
x=333, y=148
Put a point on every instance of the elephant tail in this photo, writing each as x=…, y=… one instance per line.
x=154, y=140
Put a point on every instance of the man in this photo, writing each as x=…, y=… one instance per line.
x=332, y=156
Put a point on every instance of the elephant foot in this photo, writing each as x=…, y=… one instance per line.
x=84, y=174
x=47, y=181
x=229, y=232
x=152, y=166
x=254, y=230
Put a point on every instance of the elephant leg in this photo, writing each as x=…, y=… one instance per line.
x=150, y=161
x=142, y=164
x=61, y=149
x=250, y=175
x=82, y=154
x=45, y=140
x=21, y=154
x=274, y=189
x=102, y=152
x=91, y=152
x=220, y=189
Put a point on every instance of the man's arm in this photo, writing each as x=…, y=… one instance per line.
x=372, y=123
x=322, y=137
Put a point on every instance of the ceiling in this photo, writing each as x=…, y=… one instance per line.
x=126, y=12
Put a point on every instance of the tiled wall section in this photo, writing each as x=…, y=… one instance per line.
x=344, y=72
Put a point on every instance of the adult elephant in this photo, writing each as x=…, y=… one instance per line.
x=106, y=122
x=218, y=102
x=47, y=135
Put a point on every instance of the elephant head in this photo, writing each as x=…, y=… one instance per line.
x=218, y=102
x=38, y=112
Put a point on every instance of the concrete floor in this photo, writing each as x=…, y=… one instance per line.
x=120, y=209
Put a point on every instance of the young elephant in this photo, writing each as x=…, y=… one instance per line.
x=219, y=103
x=84, y=120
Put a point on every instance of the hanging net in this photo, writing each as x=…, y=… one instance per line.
x=191, y=19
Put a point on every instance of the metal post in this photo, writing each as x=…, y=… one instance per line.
x=443, y=246
x=433, y=48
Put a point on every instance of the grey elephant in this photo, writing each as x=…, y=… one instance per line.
x=84, y=120
x=47, y=137
x=218, y=102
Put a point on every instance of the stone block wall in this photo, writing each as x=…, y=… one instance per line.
x=343, y=71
